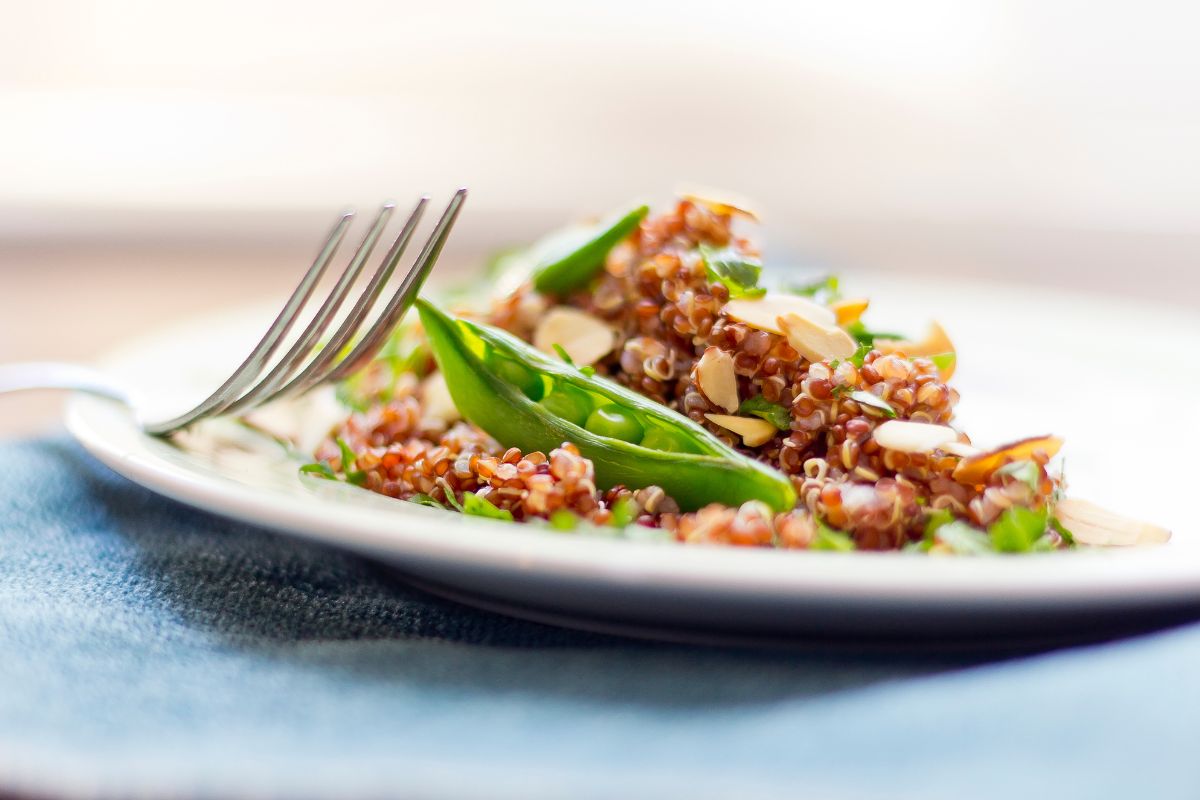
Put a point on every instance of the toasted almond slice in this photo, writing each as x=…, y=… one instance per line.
x=754, y=431
x=764, y=312
x=975, y=470
x=913, y=437
x=960, y=449
x=1092, y=525
x=935, y=343
x=585, y=338
x=436, y=401
x=717, y=380
x=849, y=311
x=814, y=341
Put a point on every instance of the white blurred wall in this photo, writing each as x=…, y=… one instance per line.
x=1032, y=138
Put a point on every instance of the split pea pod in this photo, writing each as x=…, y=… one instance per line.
x=526, y=399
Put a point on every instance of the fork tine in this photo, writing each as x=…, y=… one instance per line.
x=262, y=352
x=402, y=300
x=302, y=347
x=313, y=372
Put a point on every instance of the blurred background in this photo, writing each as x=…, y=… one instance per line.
x=157, y=157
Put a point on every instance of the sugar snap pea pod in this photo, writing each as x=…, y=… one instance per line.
x=526, y=399
x=574, y=257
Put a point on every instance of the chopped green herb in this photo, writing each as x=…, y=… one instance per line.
x=860, y=355
x=828, y=538
x=866, y=336
x=563, y=520
x=963, y=539
x=1057, y=526
x=777, y=415
x=944, y=361
x=837, y=362
x=624, y=511
x=475, y=506
x=1025, y=471
x=425, y=500
x=868, y=399
x=1018, y=530
x=320, y=469
x=842, y=389
x=937, y=519
x=356, y=476
x=736, y=272
x=825, y=289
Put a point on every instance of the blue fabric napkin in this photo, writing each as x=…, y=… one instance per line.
x=150, y=650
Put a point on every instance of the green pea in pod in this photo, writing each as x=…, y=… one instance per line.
x=568, y=260
x=526, y=399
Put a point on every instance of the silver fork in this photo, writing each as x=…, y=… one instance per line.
x=299, y=369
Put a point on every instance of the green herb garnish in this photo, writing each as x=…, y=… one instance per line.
x=824, y=290
x=963, y=539
x=475, y=506
x=624, y=511
x=320, y=469
x=736, y=272
x=774, y=413
x=1025, y=471
x=356, y=476
x=425, y=500
x=828, y=538
x=860, y=355
x=866, y=336
x=870, y=400
x=944, y=361
x=1057, y=526
x=563, y=520
x=1019, y=530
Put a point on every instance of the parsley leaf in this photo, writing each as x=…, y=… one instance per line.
x=1025, y=471
x=1018, y=530
x=825, y=289
x=624, y=511
x=866, y=336
x=944, y=361
x=738, y=273
x=860, y=355
x=1057, y=526
x=870, y=400
x=963, y=539
x=777, y=415
x=425, y=500
x=475, y=506
x=356, y=476
x=828, y=538
x=320, y=469
x=563, y=520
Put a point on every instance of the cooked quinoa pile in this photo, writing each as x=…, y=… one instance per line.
x=656, y=293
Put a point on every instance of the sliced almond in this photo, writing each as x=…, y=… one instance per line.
x=1092, y=525
x=913, y=437
x=584, y=338
x=717, y=380
x=436, y=401
x=815, y=341
x=960, y=449
x=754, y=431
x=849, y=311
x=764, y=312
x=935, y=343
x=976, y=469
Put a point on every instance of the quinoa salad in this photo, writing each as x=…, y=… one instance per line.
x=635, y=377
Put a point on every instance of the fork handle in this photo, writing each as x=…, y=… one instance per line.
x=55, y=375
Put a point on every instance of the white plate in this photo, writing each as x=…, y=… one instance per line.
x=1117, y=380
